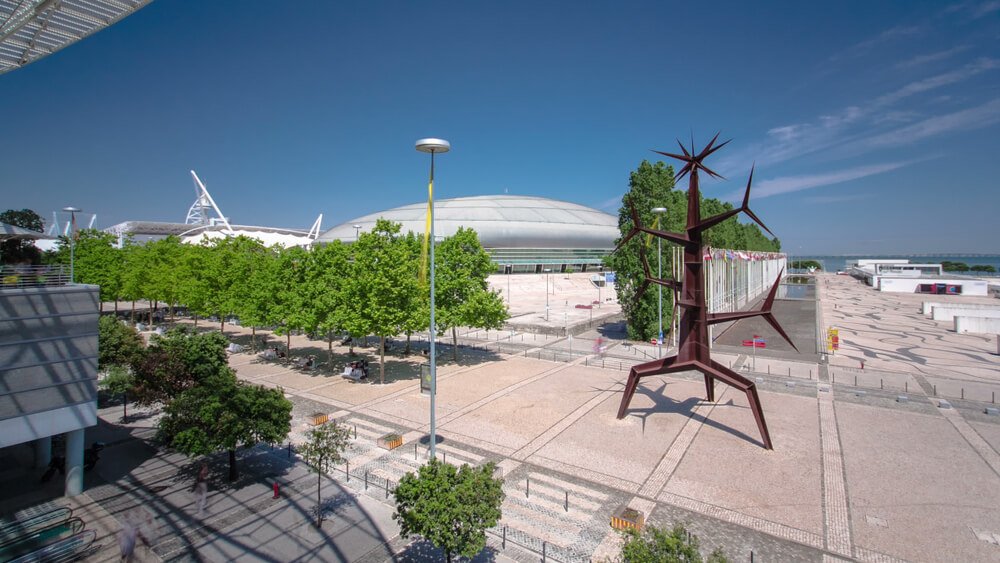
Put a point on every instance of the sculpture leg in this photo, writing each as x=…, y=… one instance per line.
x=758, y=414
x=736, y=380
x=633, y=383
x=655, y=367
x=709, y=389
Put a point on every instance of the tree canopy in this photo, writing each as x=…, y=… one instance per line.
x=451, y=508
x=652, y=185
x=659, y=545
x=18, y=250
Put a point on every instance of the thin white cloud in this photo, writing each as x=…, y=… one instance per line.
x=985, y=9
x=889, y=35
x=790, y=184
x=932, y=57
x=958, y=75
x=972, y=118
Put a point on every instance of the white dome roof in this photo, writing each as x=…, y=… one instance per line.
x=502, y=221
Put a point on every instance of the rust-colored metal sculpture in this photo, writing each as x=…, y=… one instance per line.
x=689, y=296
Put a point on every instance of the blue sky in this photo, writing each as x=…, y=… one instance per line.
x=875, y=126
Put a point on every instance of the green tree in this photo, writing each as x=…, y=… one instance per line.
x=950, y=266
x=322, y=451
x=119, y=381
x=984, y=268
x=222, y=414
x=176, y=362
x=117, y=344
x=650, y=186
x=18, y=250
x=384, y=286
x=657, y=545
x=461, y=292
x=451, y=508
x=98, y=262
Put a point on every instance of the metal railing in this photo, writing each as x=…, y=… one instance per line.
x=17, y=277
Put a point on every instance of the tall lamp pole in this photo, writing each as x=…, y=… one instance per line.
x=72, y=243
x=432, y=146
x=659, y=288
x=357, y=232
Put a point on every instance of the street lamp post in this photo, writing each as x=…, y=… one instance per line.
x=659, y=288
x=510, y=268
x=72, y=243
x=547, y=270
x=357, y=232
x=432, y=146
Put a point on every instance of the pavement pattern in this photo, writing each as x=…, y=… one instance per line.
x=868, y=464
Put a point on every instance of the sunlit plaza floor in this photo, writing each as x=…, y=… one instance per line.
x=870, y=469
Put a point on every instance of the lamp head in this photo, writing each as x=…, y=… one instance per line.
x=71, y=210
x=433, y=145
x=659, y=210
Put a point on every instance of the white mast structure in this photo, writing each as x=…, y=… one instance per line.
x=314, y=231
x=199, y=213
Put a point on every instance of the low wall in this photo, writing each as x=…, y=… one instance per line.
x=928, y=306
x=977, y=325
x=948, y=313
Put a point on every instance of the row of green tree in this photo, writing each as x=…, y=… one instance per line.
x=371, y=287
x=651, y=186
x=951, y=266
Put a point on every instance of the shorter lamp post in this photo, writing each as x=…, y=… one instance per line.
x=72, y=243
x=357, y=232
x=547, y=270
x=659, y=288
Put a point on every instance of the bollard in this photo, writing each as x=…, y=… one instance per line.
x=348, y=471
x=355, y=431
x=855, y=381
x=963, y=393
x=789, y=372
x=565, y=502
x=768, y=369
x=386, y=487
x=751, y=556
x=366, y=480
x=276, y=495
x=810, y=375
x=906, y=386
x=414, y=451
x=527, y=487
x=935, y=389
x=880, y=385
x=444, y=457
x=503, y=540
x=543, y=552
x=289, y=450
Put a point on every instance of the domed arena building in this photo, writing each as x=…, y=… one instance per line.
x=521, y=233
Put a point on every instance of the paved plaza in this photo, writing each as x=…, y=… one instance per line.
x=871, y=469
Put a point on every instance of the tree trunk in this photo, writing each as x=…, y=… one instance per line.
x=172, y=312
x=222, y=324
x=381, y=361
x=233, y=473
x=407, y=351
x=319, y=500
x=125, y=406
x=116, y=306
x=253, y=339
x=196, y=320
x=133, y=312
x=329, y=350
x=454, y=344
x=288, y=343
x=100, y=306
x=448, y=555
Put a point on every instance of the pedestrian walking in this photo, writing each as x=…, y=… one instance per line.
x=201, y=488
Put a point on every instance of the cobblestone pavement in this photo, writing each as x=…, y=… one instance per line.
x=545, y=414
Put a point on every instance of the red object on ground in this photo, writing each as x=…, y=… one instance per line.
x=584, y=306
x=759, y=344
x=276, y=495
